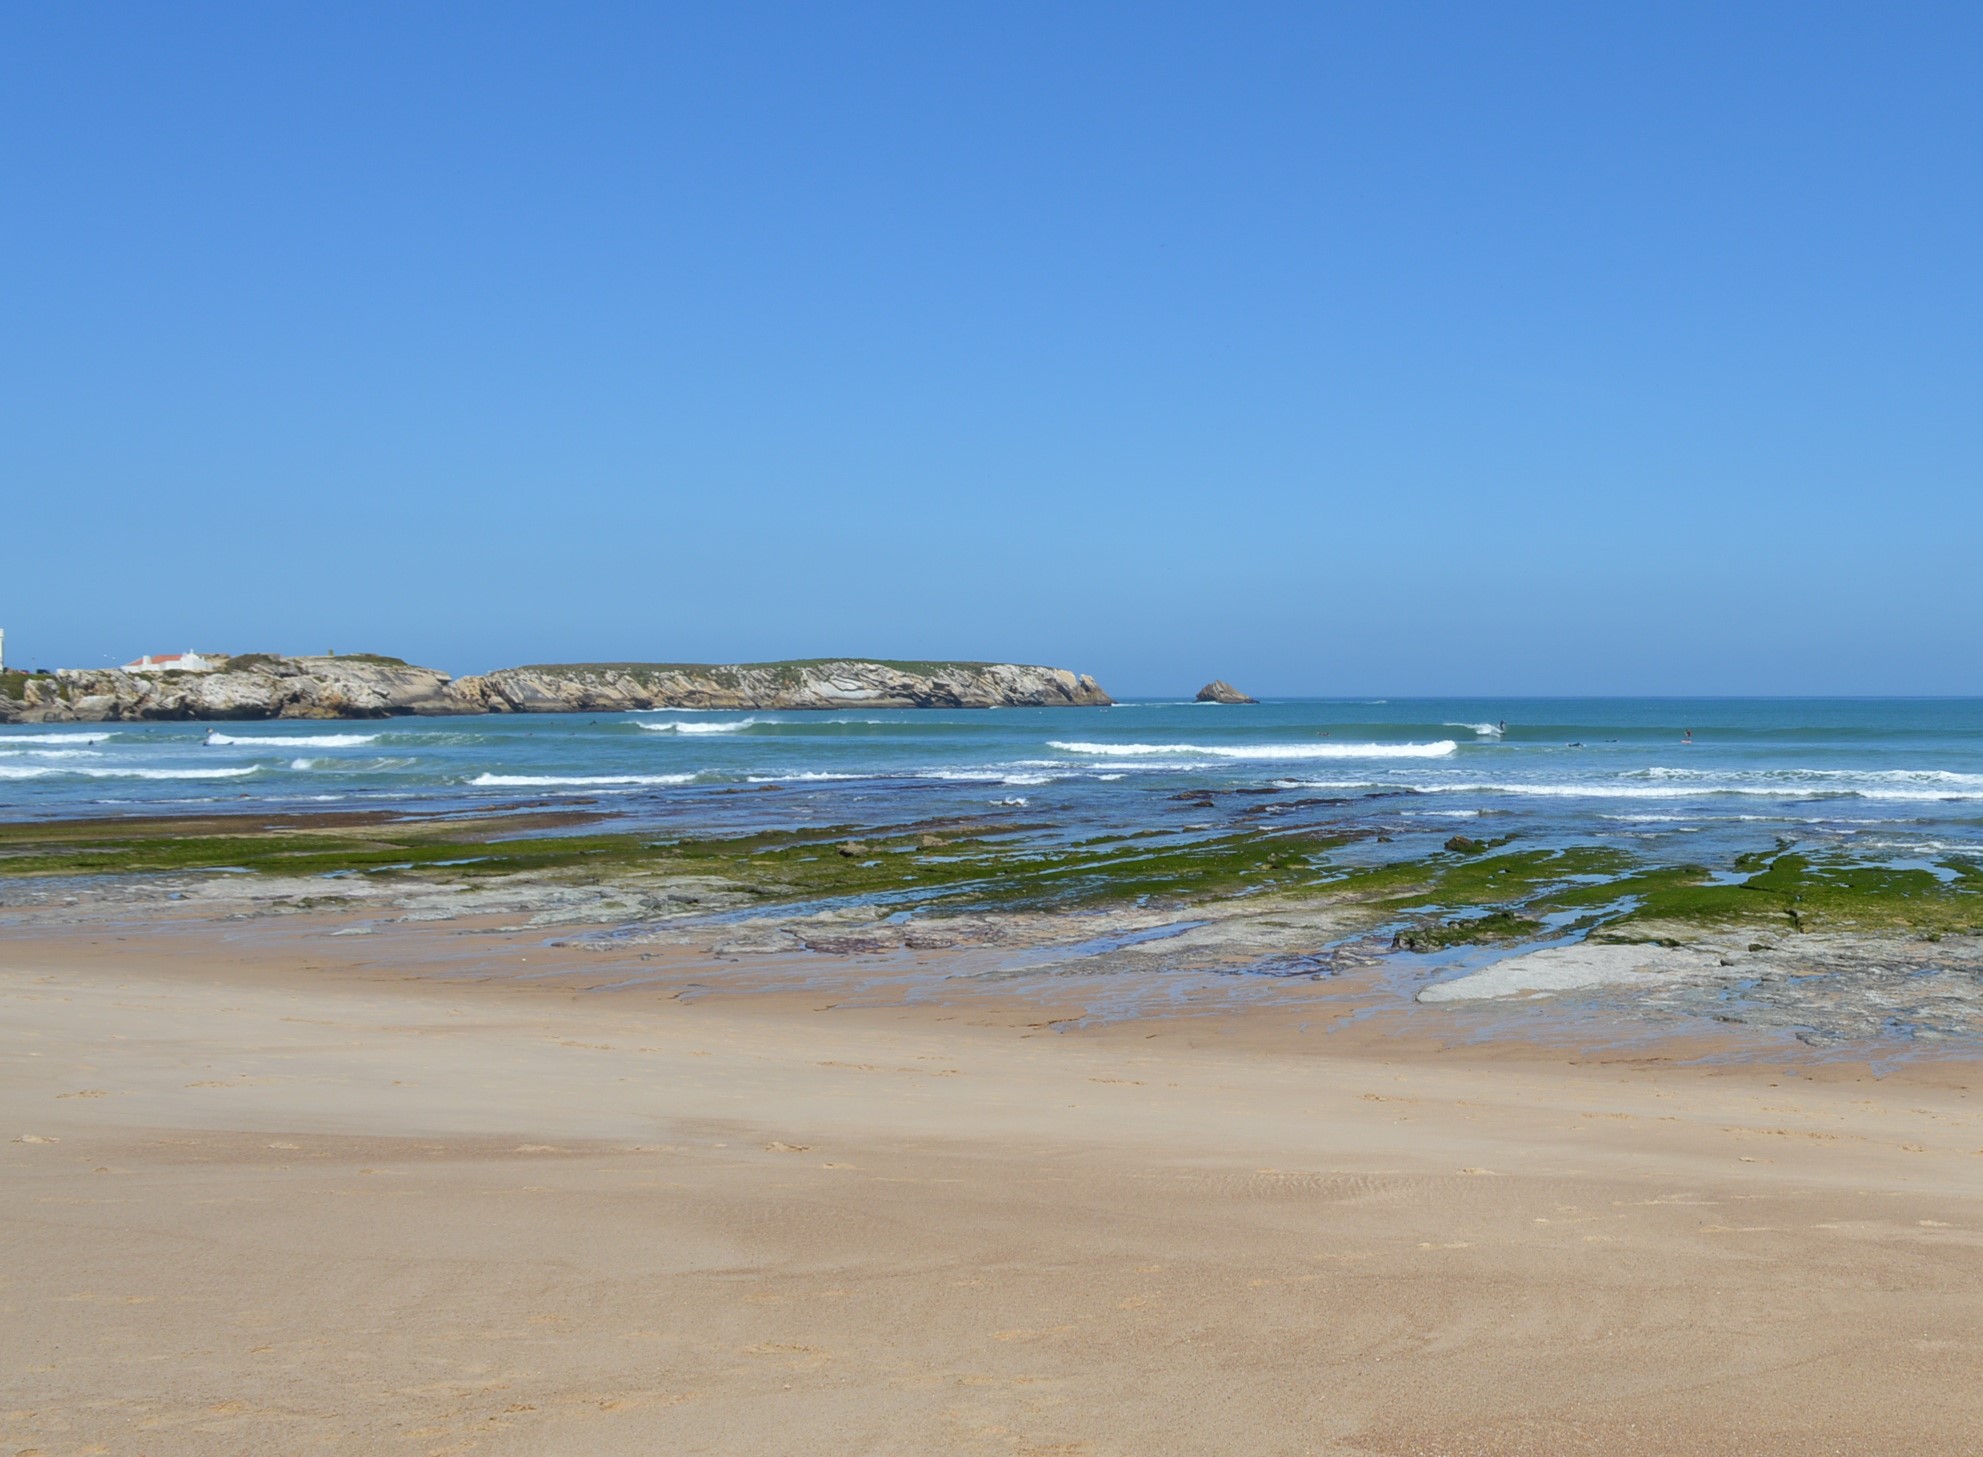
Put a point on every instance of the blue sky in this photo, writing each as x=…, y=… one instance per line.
x=1403, y=349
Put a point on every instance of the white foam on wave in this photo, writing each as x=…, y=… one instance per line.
x=986, y=776
x=1485, y=730
x=295, y=741
x=1846, y=778
x=551, y=781
x=810, y=776
x=1703, y=789
x=46, y=771
x=1437, y=750
x=77, y=736
x=42, y=755
x=698, y=728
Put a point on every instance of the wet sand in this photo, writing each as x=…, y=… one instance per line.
x=263, y=1190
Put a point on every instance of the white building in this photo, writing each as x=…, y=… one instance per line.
x=172, y=663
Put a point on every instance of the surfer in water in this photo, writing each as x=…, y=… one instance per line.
x=1687, y=737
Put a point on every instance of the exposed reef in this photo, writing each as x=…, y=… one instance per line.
x=1806, y=946
x=365, y=685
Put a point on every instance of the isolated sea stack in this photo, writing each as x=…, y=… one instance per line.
x=1220, y=691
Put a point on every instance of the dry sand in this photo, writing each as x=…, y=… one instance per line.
x=260, y=1202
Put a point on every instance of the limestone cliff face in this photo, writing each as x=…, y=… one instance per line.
x=822, y=683
x=261, y=686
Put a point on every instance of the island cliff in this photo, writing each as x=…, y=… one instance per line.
x=811, y=683
x=365, y=685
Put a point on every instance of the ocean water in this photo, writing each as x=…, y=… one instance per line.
x=1893, y=778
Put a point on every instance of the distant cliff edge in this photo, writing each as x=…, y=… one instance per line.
x=365, y=685
x=812, y=683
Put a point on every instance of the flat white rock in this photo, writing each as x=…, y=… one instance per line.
x=1567, y=968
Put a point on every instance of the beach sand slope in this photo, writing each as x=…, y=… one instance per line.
x=293, y=1212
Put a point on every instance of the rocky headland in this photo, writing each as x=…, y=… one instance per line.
x=366, y=685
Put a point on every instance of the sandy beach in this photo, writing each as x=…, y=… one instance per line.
x=282, y=1192
x=959, y=730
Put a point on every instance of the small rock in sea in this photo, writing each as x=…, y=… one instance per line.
x=1462, y=845
x=852, y=849
x=931, y=842
x=1220, y=691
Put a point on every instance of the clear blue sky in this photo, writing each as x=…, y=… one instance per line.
x=1375, y=348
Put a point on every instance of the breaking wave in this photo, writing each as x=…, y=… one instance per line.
x=9, y=771
x=810, y=776
x=1838, y=778
x=698, y=728
x=549, y=781
x=1437, y=750
x=1707, y=788
x=296, y=741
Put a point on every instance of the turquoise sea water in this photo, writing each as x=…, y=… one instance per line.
x=1892, y=777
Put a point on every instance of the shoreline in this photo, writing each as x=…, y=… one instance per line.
x=1513, y=937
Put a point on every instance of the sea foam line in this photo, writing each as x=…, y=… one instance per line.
x=51, y=771
x=697, y=728
x=1437, y=750
x=808, y=776
x=298, y=741
x=548, y=781
x=1700, y=790
x=1848, y=777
